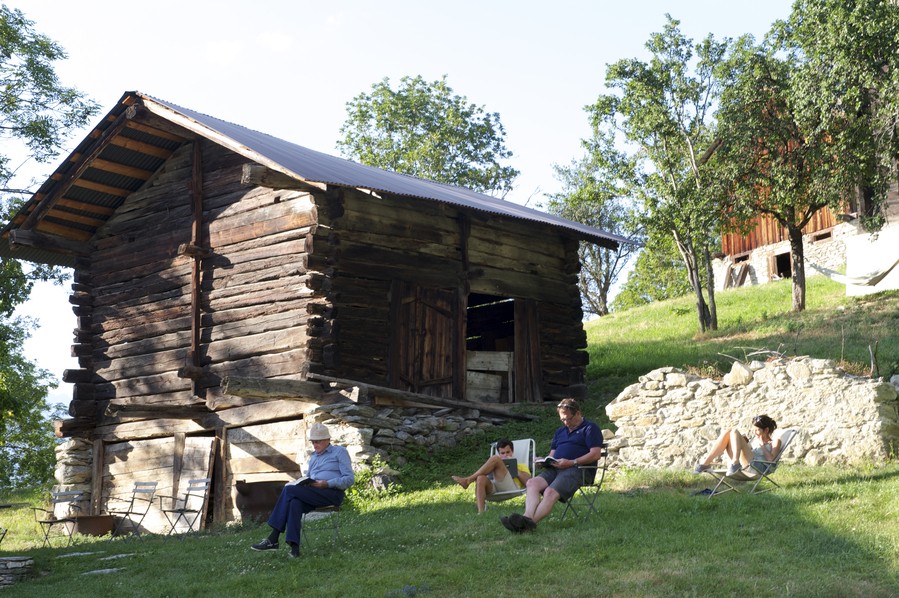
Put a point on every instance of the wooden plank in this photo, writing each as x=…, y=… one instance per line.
x=376, y=391
x=498, y=361
x=483, y=387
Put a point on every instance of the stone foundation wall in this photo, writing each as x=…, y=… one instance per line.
x=669, y=418
x=389, y=432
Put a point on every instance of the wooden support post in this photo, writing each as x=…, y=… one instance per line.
x=97, y=455
x=196, y=241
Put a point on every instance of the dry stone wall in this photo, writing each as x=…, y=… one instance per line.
x=669, y=418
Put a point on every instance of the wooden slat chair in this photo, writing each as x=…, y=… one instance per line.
x=322, y=518
x=758, y=472
x=583, y=502
x=189, y=507
x=524, y=451
x=131, y=510
x=48, y=520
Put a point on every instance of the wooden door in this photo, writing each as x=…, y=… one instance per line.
x=424, y=345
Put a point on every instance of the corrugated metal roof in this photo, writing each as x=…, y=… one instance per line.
x=122, y=152
x=319, y=167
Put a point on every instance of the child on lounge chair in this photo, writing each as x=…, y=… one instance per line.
x=494, y=476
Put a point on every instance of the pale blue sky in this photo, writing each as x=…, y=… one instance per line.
x=288, y=67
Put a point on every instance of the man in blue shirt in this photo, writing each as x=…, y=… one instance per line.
x=577, y=442
x=329, y=473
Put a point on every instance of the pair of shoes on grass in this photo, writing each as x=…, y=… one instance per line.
x=517, y=524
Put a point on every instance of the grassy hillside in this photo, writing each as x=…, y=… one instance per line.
x=628, y=344
x=829, y=531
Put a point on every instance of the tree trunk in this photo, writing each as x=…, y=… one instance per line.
x=688, y=253
x=710, y=287
x=797, y=267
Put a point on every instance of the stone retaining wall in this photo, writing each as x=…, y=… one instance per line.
x=14, y=568
x=669, y=418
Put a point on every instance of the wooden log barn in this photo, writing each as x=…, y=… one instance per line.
x=225, y=282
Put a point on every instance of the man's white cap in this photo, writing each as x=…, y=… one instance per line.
x=319, y=432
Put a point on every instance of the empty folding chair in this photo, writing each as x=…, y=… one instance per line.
x=187, y=508
x=61, y=513
x=131, y=510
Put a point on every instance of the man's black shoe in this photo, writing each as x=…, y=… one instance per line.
x=521, y=523
x=508, y=524
x=265, y=545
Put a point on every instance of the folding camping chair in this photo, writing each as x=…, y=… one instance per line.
x=189, y=507
x=592, y=477
x=327, y=517
x=132, y=510
x=48, y=519
x=758, y=471
x=524, y=451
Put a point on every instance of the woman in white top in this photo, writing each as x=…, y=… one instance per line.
x=743, y=452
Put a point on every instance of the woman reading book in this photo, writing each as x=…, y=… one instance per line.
x=494, y=475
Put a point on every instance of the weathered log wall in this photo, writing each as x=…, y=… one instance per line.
x=369, y=240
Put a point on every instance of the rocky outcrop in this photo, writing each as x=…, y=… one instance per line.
x=669, y=418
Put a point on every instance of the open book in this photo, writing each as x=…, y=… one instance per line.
x=547, y=461
x=301, y=481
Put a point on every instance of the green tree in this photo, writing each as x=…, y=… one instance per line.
x=658, y=274
x=27, y=444
x=593, y=193
x=664, y=110
x=801, y=118
x=35, y=109
x=36, y=113
x=848, y=52
x=423, y=130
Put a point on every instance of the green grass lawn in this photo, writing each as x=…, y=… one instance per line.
x=829, y=531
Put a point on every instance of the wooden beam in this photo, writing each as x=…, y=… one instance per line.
x=97, y=478
x=107, y=189
x=62, y=188
x=122, y=169
x=54, y=243
x=272, y=388
x=262, y=176
x=380, y=391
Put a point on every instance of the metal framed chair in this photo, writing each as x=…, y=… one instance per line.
x=188, y=508
x=48, y=518
x=2, y=534
x=321, y=518
x=758, y=472
x=131, y=510
x=524, y=451
x=583, y=502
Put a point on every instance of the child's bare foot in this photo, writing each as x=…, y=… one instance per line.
x=461, y=481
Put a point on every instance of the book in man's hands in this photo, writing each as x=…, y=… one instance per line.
x=301, y=481
x=547, y=461
x=512, y=464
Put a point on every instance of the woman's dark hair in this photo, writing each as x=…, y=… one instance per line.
x=765, y=422
x=569, y=404
x=503, y=443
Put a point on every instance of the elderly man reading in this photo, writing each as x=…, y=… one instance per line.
x=329, y=473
